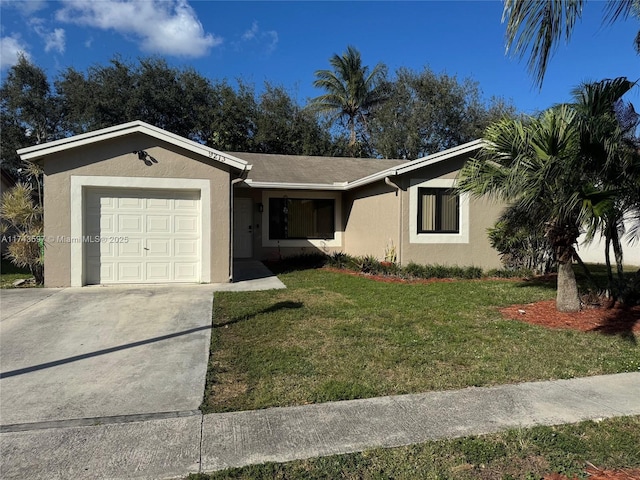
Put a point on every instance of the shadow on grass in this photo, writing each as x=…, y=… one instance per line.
x=549, y=282
x=620, y=322
x=273, y=308
x=297, y=263
x=6, y=267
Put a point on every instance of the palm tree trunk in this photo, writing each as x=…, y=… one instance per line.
x=617, y=252
x=607, y=259
x=567, y=299
x=352, y=137
x=562, y=236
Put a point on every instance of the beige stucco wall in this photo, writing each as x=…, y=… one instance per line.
x=114, y=158
x=371, y=220
x=483, y=214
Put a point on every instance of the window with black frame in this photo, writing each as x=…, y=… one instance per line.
x=438, y=210
x=301, y=218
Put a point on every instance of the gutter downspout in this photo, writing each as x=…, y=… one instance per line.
x=388, y=181
x=234, y=182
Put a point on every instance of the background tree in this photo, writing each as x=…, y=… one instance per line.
x=169, y=98
x=535, y=27
x=30, y=112
x=231, y=117
x=353, y=92
x=426, y=113
x=520, y=240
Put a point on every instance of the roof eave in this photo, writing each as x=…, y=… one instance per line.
x=417, y=164
x=39, y=151
x=296, y=186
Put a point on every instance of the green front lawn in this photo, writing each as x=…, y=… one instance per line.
x=523, y=454
x=332, y=336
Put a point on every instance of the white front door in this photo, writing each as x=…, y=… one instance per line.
x=142, y=236
x=243, y=228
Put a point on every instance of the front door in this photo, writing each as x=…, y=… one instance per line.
x=243, y=228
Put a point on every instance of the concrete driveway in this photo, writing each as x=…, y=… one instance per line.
x=102, y=351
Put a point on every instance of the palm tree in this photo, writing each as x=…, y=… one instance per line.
x=607, y=127
x=352, y=92
x=533, y=164
x=536, y=26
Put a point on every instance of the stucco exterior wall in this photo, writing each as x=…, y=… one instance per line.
x=482, y=214
x=371, y=220
x=114, y=158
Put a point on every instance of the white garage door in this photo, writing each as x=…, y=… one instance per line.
x=142, y=236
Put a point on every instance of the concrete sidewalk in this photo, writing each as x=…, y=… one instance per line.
x=174, y=447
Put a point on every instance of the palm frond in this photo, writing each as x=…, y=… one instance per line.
x=535, y=27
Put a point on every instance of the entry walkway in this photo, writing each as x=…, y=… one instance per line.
x=250, y=276
x=126, y=448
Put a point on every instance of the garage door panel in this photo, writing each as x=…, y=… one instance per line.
x=158, y=247
x=132, y=248
x=158, y=271
x=130, y=272
x=158, y=223
x=155, y=236
x=107, y=224
x=130, y=224
x=186, y=224
x=185, y=271
x=107, y=202
x=185, y=248
x=186, y=205
x=130, y=203
x=106, y=272
x=106, y=249
x=158, y=204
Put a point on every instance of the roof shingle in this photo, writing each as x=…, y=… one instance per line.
x=310, y=169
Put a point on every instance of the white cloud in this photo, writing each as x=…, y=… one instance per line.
x=168, y=27
x=53, y=39
x=10, y=50
x=269, y=37
x=251, y=33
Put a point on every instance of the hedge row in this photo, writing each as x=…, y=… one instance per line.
x=372, y=266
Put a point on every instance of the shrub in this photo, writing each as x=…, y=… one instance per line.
x=338, y=260
x=415, y=270
x=22, y=219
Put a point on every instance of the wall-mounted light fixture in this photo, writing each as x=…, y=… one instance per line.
x=145, y=157
x=260, y=207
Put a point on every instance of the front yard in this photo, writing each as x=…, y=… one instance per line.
x=332, y=336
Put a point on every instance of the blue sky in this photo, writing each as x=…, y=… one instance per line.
x=286, y=42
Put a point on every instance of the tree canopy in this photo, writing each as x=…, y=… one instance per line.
x=407, y=115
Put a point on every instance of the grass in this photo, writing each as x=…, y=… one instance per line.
x=9, y=273
x=515, y=454
x=332, y=336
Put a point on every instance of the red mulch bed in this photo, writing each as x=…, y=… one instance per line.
x=611, y=321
